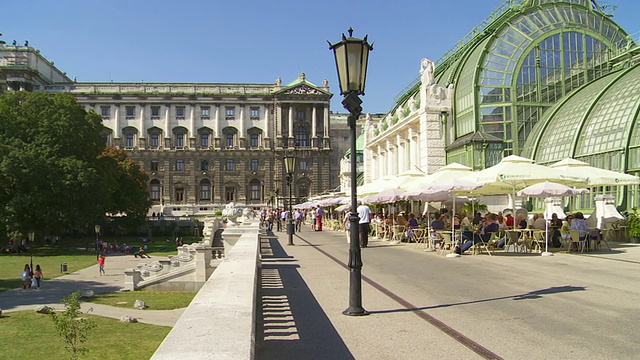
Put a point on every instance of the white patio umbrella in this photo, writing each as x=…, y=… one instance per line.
x=453, y=170
x=595, y=176
x=374, y=187
x=442, y=190
x=549, y=189
x=386, y=196
x=514, y=173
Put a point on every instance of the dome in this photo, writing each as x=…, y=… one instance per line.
x=597, y=124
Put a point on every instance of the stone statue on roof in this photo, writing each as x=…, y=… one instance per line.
x=325, y=83
x=426, y=71
x=279, y=81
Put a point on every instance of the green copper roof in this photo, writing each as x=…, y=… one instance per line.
x=359, y=145
x=301, y=79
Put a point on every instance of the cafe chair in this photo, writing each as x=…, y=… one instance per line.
x=446, y=245
x=579, y=243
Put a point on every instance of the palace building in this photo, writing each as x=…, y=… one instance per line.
x=203, y=144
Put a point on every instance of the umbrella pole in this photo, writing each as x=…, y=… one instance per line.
x=546, y=239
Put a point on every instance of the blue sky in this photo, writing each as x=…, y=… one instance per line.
x=248, y=41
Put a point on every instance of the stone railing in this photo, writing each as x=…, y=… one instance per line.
x=220, y=321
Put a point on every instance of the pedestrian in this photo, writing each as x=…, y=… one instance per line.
x=101, y=264
x=364, y=213
x=25, y=276
x=38, y=276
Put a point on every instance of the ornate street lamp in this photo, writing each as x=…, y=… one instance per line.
x=32, y=236
x=97, y=229
x=352, y=55
x=289, y=168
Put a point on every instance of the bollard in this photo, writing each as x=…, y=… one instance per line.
x=63, y=267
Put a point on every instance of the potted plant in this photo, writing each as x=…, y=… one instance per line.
x=634, y=226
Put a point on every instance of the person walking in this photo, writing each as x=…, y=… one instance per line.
x=364, y=213
x=25, y=276
x=37, y=275
x=101, y=260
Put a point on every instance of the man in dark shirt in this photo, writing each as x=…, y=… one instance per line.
x=482, y=235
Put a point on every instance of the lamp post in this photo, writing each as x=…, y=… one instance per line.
x=32, y=236
x=352, y=55
x=289, y=168
x=97, y=229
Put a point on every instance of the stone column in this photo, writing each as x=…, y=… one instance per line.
x=290, y=121
x=216, y=126
x=314, y=125
x=241, y=130
x=278, y=122
x=167, y=126
x=143, y=128
x=192, y=126
x=402, y=158
x=325, y=120
x=116, y=122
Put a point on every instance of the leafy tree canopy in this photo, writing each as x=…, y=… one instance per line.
x=55, y=172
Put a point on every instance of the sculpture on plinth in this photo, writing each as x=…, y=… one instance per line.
x=231, y=213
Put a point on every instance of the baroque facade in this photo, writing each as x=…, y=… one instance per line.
x=202, y=144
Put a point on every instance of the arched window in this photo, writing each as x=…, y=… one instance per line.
x=180, y=137
x=230, y=137
x=130, y=135
x=155, y=138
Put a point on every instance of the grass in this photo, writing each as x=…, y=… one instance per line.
x=155, y=300
x=73, y=251
x=33, y=334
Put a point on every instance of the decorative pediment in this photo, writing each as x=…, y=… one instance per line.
x=303, y=90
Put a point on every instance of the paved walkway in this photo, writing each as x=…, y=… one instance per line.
x=52, y=290
x=426, y=306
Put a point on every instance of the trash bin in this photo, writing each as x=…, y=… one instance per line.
x=63, y=267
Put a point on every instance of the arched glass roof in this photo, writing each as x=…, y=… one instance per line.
x=599, y=121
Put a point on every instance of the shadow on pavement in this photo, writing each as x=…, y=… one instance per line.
x=290, y=323
x=535, y=294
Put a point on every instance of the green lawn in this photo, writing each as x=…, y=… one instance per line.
x=30, y=335
x=73, y=251
x=155, y=300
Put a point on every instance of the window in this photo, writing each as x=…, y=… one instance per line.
x=229, y=193
x=128, y=142
x=302, y=138
x=179, y=141
x=179, y=195
x=155, y=112
x=230, y=113
x=179, y=165
x=204, y=165
x=204, y=140
x=205, y=190
x=254, y=190
x=130, y=111
x=105, y=111
x=154, y=165
x=303, y=165
x=300, y=115
x=253, y=140
x=154, y=192
x=229, y=141
x=155, y=140
x=180, y=112
x=229, y=165
x=255, y=113
x=255, y=164
x=204, y=111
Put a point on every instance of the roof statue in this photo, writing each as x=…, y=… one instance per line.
x=325, y=83
x=426, y=70
x=279, y=81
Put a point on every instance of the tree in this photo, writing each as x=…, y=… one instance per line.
x=71, y=327
x=54, y=174
x=126, y=186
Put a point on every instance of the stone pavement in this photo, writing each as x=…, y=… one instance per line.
x=426, y=306
x=52, y=290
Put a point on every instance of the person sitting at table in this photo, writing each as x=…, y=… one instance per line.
x=554, y=227
x=489, y=226
x=522, y=222
x=539, y=223
x=509, y=221
x=580, y=224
